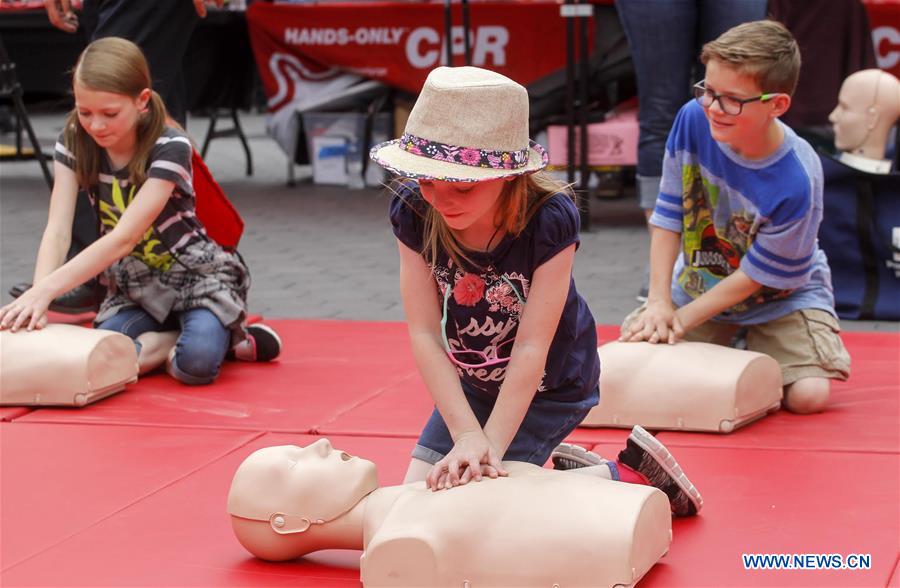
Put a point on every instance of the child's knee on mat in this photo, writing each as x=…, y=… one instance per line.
x=195, y=367
x=807, y=395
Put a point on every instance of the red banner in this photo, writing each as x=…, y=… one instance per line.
x=884, y=20
x=400, y=43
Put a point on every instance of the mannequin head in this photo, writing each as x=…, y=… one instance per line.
x=868, y=106
x=286, y=501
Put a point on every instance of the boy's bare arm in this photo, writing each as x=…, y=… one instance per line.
x=664, y=248
x=733, y=289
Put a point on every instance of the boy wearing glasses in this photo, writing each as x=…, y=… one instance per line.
x=734, y=228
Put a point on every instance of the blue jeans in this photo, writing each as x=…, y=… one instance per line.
x=547, y=422
x=201, y=346
x=665, y=38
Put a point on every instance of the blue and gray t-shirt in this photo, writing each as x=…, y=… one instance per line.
x=484, y=309
x=761, y=216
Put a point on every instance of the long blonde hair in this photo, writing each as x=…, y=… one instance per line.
x=519, y=200
x=117, y=66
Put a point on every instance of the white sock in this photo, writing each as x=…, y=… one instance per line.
x=602, y=470
x=245, y=350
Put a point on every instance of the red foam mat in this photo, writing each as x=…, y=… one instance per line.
x=768, y=501
x=894, y=582
x=58, y=480
x=863, y=413
x=327, y=367
x=181, y=535
x=8, y=413
x=757, y=501
x=87, y=501
x=402, y=409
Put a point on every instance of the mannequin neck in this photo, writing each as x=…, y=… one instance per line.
x=873, y=146
x=864, y=163
x=344, y=532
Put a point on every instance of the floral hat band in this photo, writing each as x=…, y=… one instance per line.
x=458, y=108
x=485, y=158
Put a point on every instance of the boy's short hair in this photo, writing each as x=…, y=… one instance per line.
x=763, y=49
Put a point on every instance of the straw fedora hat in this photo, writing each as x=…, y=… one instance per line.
x=468, y=124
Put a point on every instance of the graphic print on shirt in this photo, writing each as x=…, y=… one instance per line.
x=483, y=311
x=150, y=249
x=712, y=253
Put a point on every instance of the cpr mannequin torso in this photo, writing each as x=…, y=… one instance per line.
x=868, y=107
x=693, y=386
x=537, y=527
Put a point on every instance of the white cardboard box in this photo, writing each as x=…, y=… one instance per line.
x=347, y=127
x=329, y=160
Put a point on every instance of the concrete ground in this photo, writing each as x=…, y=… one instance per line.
x=323, y=251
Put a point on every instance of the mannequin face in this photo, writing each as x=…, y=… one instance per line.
x=854, y=116
x=316, y=482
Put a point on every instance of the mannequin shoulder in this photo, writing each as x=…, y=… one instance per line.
x=399, y=554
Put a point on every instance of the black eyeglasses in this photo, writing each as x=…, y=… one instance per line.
x=729, y=104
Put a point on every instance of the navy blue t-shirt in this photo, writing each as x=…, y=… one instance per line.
x=483, y=308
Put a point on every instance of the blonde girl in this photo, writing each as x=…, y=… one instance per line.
x=176, y=292
x=504, y=342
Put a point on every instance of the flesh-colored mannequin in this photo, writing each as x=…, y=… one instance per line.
x=868, y=106
x=536, y=527
x=64, y=365
x=690, y=386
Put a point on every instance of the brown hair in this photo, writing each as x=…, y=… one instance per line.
x=117, y=66
x=762, y=49
x=519, y=200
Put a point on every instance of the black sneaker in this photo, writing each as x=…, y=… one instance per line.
x=84, y=298
x=645, y=287
x=262, y=344
x=647, y=456
x=642, y=294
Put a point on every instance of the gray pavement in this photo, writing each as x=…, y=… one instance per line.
x=326, y=252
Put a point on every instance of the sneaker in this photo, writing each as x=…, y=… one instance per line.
x=572, y=457
x=262, y=344
x=739, y=340
x=647, y=456
x=642, y=294
x=80, y=299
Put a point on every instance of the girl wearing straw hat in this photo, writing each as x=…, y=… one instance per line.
x=504, y=342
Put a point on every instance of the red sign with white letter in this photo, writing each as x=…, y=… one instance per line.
x=400, y=43
x=884, y=20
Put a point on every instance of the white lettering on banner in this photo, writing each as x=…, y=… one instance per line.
x=378, y=35
x=490, y=41
x=424, y=47
x=289, y=72
x=413, y=47
x=891, y=37
x=343, y=36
